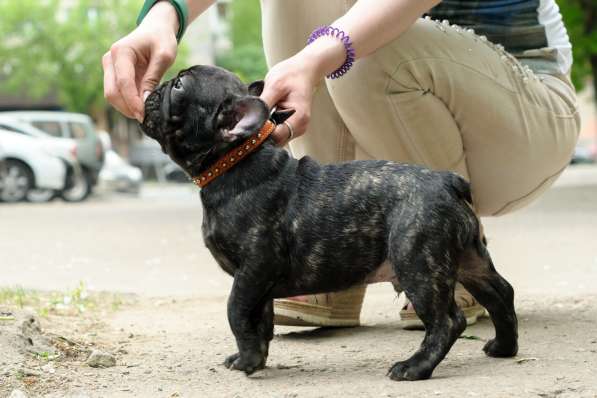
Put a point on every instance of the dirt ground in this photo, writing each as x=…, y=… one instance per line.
x=175, y=348
x=162, y=313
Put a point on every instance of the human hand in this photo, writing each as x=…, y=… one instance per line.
x=291, y=83
x=136, y=63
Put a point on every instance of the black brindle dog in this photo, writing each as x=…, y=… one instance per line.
x=284, y=227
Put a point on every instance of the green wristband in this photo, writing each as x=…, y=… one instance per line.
x=181, y=10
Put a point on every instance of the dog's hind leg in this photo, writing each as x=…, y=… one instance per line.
x=479, y=277
x=427, y=274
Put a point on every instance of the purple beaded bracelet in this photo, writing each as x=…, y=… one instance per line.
x=344, y=38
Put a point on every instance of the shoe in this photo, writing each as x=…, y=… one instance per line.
x=340, y=309
x=467, y=303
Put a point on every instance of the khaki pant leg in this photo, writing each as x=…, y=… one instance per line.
x=447, y=99
x=286, y=27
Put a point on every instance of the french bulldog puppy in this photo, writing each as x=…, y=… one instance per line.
x=284, y=227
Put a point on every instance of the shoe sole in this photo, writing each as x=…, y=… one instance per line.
x=410, y=321
x=297, y=313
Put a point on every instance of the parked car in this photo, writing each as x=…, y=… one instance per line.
x=90, y=153
x=148, y=155
x=117, y=175
x=65, y=148
x=26, y=165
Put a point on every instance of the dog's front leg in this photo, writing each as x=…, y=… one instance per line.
x=251, y=318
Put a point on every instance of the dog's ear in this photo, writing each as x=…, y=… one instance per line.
x=280, y=115
x=256, y=88
x=242, y=117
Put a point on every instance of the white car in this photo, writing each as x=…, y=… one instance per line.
x=26, y=164
x=63, y=147
x=66, y=149
x=68, y=125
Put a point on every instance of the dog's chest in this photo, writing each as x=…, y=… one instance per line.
x=217, y=243
x=235, y=235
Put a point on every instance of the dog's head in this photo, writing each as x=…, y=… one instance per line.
x=202, y=113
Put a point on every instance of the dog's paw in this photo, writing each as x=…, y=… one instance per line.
x=406, y=371
x=495, y=348
x=230, y=360
x=248, y=364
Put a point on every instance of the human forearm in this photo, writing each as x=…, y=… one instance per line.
x=165, y=12
x=196, y=8
x=370, y=24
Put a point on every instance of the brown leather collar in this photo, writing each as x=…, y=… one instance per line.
x=234, y=156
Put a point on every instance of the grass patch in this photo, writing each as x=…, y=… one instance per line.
x=71, y=302
x=46, y=356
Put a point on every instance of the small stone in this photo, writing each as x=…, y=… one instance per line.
x=99, y=359
x=17, y=394
x=30, y=325
x=48, y=368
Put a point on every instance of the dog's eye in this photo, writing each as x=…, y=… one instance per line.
x=178, y=84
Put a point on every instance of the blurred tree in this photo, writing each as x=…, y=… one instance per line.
x=580, y=17
x=246, y=57
x=57, y=45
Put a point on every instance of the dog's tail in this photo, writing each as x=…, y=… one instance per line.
x=469, y=231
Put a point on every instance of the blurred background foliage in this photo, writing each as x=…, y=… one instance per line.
x=580, y=17
x=57, y=45
x=246, y=57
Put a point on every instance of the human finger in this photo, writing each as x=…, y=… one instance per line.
x=111, y=92
x=158, y=65
x=292, y=128
x=124, y=70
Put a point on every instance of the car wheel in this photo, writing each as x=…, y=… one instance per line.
x=80, y=190
x=15, y=181
x=40, y=195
